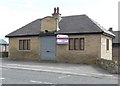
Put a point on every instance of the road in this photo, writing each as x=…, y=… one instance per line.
x=24, y=72
x=15, y=76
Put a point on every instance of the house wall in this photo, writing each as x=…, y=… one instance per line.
x=89, y=55
x=48, y=23
x=106, y=54
x=116, y=51
x=32, y=54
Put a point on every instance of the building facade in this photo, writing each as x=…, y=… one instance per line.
x=87, y=41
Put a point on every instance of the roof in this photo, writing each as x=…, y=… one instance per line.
x=3, y=42
x=31, y=29
x=80, y=24
x=77, y=24
x=116, y=39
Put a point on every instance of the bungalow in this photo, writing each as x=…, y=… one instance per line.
x=75, y=39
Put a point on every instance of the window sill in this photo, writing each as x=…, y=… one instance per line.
x=25, y=50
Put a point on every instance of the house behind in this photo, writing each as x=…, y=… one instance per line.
x=116, y=45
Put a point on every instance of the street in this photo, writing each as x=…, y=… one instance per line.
x=14, y=76
x=27, y=73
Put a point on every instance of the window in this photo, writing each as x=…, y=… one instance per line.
x=76, y=43
x=81, y=43
x=107, y=44
x=71, y=44
x=24, y=44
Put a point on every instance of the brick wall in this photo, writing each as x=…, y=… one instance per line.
x=32, y=54
x=88, y=55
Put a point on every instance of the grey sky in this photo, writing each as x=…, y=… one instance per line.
x=17, y=13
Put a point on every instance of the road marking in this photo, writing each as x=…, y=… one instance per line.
x=40, y=82
x=47, y=83
x=64, y=76
x=2, y=78
x=101, y=74
x=36, y=81
x=50, y=67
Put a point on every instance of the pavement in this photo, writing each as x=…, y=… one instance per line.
x=61, y=68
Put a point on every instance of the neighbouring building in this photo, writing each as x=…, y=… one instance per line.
x=116, y=45
x=3, y=48
x=74, y=39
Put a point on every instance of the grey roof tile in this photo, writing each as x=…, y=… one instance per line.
x=117, y=36
x=68, y=24
x=80, y=24
x=32, y=28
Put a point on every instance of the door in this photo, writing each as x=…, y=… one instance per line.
x=48, y=48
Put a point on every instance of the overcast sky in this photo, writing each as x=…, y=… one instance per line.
x=17, y=13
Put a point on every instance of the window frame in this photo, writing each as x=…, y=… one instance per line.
x=24, y=44
x=70, y=44
x=82, y=40
x=73, y=46
x=107, y=44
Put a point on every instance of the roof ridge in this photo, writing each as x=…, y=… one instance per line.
x=74, y=15
x=95, y=23
x=101, y=28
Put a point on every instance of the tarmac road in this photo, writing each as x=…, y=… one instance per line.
x=32, y=72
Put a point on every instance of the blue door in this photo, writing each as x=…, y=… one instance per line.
x=48, y=48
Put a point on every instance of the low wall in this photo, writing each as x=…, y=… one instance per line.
x=3, y=54
x=109, y=65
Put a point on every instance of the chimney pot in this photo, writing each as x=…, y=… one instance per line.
x=110, y=29
x=58, y=10
x=54, y=10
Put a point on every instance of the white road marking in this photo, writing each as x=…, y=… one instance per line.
x=40, y=82
x=35, y=66
x=47, y=83
x=101, y=74
x=2, y=78
x=64, y=76
x=36, y=81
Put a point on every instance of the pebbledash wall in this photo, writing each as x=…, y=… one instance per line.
x=106, y=54
x=32, y=54
x=94, y=49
